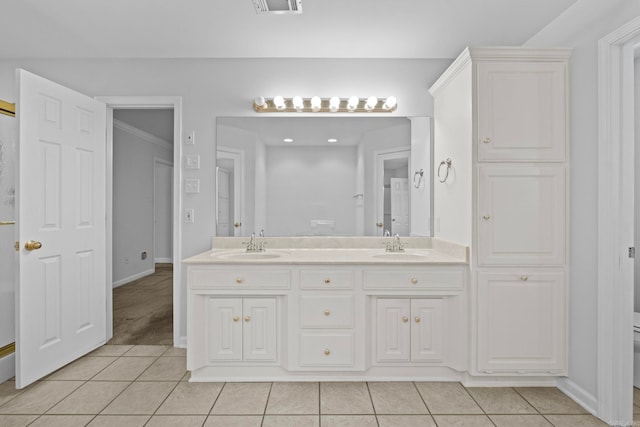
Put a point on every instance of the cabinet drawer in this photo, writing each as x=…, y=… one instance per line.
x=447, y=279
x=205, y=278
x=326, y=279
x=334, y=311
x=326, y=349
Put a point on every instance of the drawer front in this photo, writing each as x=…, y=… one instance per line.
x=326, y=279
x=446, y=279
x=326, y=349
x=201, y=278
x=335, y=311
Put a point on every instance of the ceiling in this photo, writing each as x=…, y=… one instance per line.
x=232, y=29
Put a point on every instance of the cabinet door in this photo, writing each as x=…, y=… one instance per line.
x=224, y=328
x=427, y=329
x=521, y=215
x=393, y=330
x=521, y=111
x=260, y=329
x=521, y=322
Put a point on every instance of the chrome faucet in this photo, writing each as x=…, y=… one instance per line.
x=253, y=245
x=387, y=233
x=394, y=245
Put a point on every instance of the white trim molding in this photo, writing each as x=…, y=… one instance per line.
x=615, y=269
x=578, y=394
x=136, y=276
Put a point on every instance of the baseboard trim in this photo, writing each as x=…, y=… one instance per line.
x=580, y=395
x=7, y=367
x=182, y=342
x=134, y=277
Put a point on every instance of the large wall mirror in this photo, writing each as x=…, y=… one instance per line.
x=323, y=176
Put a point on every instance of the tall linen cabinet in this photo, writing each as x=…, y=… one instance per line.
x=500, y=116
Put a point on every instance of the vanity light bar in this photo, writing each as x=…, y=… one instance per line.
x=297, y=104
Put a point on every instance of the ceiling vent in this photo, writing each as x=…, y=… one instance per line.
x=278, y=6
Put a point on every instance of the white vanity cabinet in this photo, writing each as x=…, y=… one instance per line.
x=410, y=330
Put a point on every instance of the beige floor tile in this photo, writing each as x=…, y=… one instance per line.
x=294, y=398
x=345, y=398
x=191, y=398
x=82, y=369
x=550, y=400
x=348, y=421
x=636, y=409
x=40, y=397
x=447, y=398
x=291, y=421
x=519, y=421
x=233, y=421
x=119, y=421
x=146, y=350
x=165, y=369
x=405, y=421
x=463, y=421
x=396, y=398
x=140, y=398
x=125, y=369
x=91, y=398
x=176, y=421
x=500, y=400
x=242, y=399
x=111, y=350
x=16, y=420
x=636, y=396
x=575, y=421
x=175, y=352
x=8, y=391
x=62, y=421
x=187, y=376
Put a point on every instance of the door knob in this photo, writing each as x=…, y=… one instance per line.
x=32, y=245
x=237, y=224
x=379, y=224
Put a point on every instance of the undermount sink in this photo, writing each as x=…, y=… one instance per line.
x=402, y=256
x=248, y=255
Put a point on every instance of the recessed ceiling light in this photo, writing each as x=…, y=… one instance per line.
x=288, y=140
x=332, y=140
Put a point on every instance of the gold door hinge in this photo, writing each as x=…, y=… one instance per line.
x=17, y=246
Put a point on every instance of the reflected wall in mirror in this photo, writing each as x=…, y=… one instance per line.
x=320, y=176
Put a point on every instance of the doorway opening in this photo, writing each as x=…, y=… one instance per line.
x=392, y=195
x=229, y=192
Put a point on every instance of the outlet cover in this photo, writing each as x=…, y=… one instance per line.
x=192, y=185
x=191, y=138
x=188, y=216
x=192, y=161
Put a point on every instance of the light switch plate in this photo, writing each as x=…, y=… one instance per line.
x=192, y=185
x=192, y=161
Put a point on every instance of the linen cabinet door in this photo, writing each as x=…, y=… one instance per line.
x=522, y=218
x=427, y=330
x=259, y=329
x=521, y=111
x=393, y=330
x=522, y=322
x=224, y=328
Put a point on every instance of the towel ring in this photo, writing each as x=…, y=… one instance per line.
x=418, y=174
x=446, y=163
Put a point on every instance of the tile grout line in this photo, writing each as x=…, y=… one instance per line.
x=375, y=413
x=266, y=404
x=424, y=401
x=476, y=402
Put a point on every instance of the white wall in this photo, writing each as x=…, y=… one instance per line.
x=311, y=183
x=133, y=188
x=636, y=238
x=580, y=28
x=226, y=87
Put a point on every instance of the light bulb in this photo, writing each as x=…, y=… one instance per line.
x=260, y=102
x=278, y=102
x=288, y=140
x=334, y=104
x=316, y=103
x=297, y=102
x=371, y=103
x=352, y=104
x=332, y=140
x=390, y=103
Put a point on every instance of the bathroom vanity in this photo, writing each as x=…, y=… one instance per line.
x=327, y=308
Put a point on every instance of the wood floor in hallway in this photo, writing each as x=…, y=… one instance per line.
x=143, y=309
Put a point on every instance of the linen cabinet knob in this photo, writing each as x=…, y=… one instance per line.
x=405, y=319
x=327, y=352
x=247, y=318
x=327, y=312
x=487, y=140
x=239, y=280
x=414, y=280
x=327, y=280
x=486, y=217
x=236, y=318
x=524, y=278
x=417, y=319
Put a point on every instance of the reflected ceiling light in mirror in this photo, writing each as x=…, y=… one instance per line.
x=332, y=140
x=288, y=140
x=298, y=104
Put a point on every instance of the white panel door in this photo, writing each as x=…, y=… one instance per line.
x=521, y=322
x=521, y=111
x=224, y=329
x=61, y=289
x=222, y=225
x=260, y=338
x=400, y=206
x=521, y=215
x=427, y=329
x=393, y=330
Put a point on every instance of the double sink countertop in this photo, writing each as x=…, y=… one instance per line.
x=332, y=250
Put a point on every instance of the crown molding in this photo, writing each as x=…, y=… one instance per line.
x=145, y=136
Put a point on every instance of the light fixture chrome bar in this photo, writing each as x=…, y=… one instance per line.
x=286, y=105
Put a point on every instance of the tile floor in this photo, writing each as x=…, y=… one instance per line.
x=129, y=386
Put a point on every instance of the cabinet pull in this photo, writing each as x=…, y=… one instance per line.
x=236, y=318
x=239, y=280
x=327, y=352
x=417, y=319
x=327, y=312
x=486, y=217
x=524, y=278
x=327, y=280
x=247, y=318
x=405, y=319
x=414, y=280
x=486, y=140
